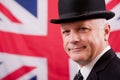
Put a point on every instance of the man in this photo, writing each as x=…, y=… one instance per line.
x=85, y=33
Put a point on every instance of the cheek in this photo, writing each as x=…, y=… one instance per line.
x=95, y=46
x=65, y=45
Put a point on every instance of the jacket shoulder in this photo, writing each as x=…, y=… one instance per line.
x=106, y=68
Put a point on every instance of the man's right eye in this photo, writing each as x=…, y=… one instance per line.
x=66, y=32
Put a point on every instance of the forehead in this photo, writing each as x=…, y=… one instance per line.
x=90, y=22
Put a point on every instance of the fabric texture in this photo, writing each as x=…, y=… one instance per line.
x=106, y=68
x=78, y=76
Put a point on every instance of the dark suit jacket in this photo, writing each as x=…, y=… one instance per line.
x=106, y=68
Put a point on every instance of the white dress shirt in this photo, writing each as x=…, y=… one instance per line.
x=85, y=70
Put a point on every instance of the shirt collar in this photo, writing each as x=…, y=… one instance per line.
x=85, y=70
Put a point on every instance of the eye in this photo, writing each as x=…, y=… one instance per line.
x=84, y=29
x=65, y=31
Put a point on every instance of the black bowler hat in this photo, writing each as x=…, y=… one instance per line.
x=74, y=10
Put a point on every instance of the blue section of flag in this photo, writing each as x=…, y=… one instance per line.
x=34, y=78
x=30, y=5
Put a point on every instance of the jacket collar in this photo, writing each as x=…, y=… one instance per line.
x=101, y=64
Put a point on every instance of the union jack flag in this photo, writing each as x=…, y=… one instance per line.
x=31, y=47
x=114, y=39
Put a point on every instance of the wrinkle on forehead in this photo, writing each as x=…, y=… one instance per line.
x=100, y=23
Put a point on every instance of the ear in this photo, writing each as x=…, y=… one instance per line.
x=107, y=32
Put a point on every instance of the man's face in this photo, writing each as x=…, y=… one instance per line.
x=84, y=40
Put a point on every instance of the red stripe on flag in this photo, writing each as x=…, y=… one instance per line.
x=58, y=65
x=7, y=13
x=112, y=4
x=114, y=40
x=18, y=73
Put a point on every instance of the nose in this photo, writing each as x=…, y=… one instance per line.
x=74, y=37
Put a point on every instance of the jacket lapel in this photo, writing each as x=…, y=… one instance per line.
x=101, y=64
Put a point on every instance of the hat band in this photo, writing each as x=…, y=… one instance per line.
x=76, y=14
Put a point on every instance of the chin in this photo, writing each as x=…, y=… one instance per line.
x=76, y=59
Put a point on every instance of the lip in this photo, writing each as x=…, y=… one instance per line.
x=78, y=49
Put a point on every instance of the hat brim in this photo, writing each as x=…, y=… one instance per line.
x=91, y=15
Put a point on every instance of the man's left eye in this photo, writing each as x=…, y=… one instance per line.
x=84, y=29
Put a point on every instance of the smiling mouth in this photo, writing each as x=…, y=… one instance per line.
x=77, y=49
